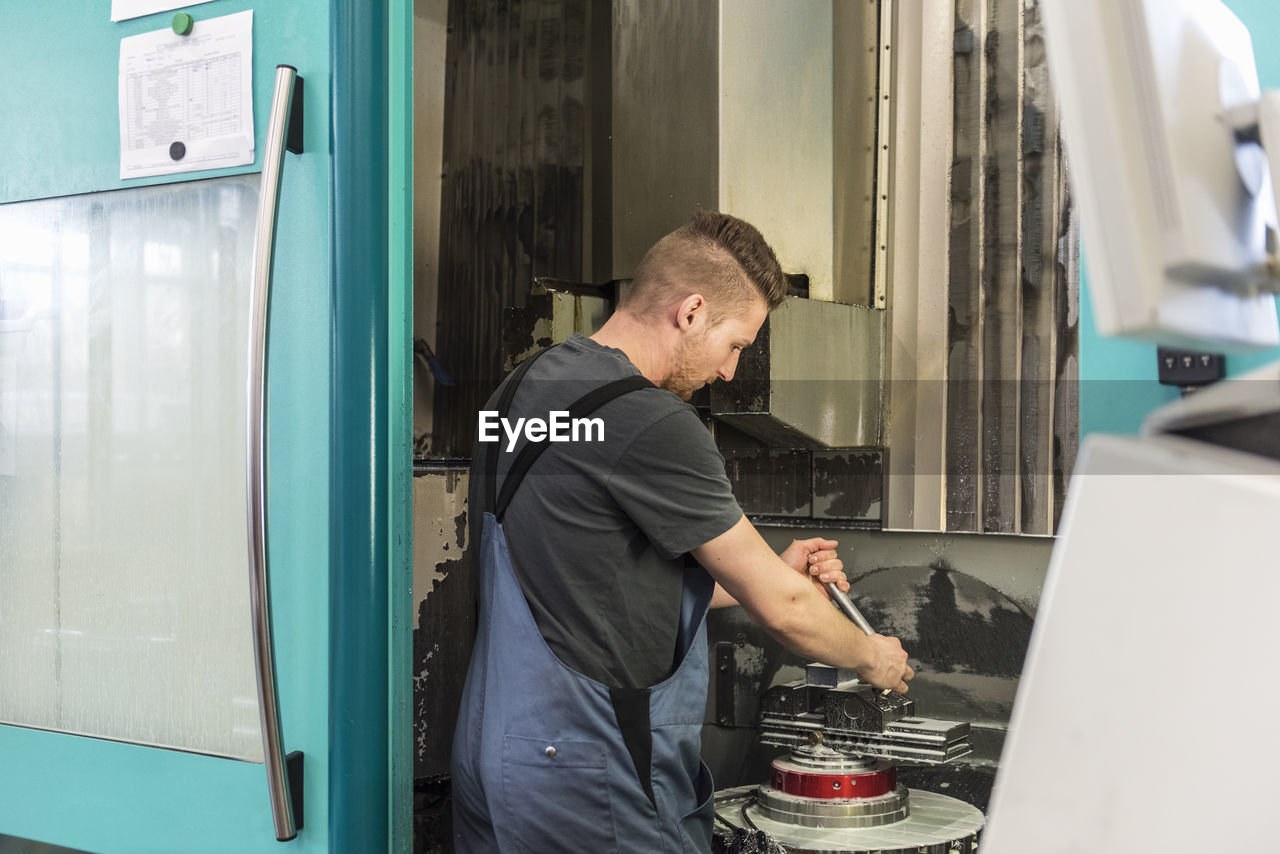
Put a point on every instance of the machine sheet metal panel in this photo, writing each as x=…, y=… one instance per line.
x=823, y=373
x=1124, y=612
x=918, y=255
x=665, y=104
x=856, y=93
x=983, y=331
x=775, y=133
x=726, y=106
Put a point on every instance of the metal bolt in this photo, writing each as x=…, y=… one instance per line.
x=550, y=751
x=835, y=784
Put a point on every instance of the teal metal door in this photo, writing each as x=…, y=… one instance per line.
x=129, y=719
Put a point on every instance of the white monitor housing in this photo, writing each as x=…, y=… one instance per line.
x=1159, y=103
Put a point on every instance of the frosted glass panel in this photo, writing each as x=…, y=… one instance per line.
x=124, y=600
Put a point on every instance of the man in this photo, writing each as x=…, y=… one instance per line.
x=581, y=718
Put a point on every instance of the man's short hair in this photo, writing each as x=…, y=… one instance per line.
x=720, y=256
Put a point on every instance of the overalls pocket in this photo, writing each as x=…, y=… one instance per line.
x=696, y=825
x=555, y=794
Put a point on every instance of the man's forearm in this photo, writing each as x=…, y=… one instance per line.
x=794, y=611
x=789, y=606
x=721, y=598
x=815, y=630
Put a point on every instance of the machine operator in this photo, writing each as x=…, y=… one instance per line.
x=599, y=556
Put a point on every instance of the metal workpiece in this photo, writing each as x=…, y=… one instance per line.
x=826, y=676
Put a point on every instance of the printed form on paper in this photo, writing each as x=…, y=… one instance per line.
x=186, y=102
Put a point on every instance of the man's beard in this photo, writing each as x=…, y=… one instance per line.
x=683, y=380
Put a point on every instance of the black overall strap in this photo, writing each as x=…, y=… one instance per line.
x=582, y=407
x=504, y=405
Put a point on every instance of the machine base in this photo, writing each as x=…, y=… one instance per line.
x=937, y=824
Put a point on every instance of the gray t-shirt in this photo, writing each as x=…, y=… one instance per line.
x=598, y=529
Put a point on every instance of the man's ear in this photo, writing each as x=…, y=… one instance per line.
x=691, y=311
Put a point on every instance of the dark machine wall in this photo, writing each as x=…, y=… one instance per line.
x=1012, y=395
x=525, y=142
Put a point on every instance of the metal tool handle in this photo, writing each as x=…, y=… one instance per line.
x=256, y=438
x=851, y=611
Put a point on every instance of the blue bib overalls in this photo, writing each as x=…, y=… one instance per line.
x=548, y=760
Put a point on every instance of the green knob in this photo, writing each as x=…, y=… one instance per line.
x=182, y=23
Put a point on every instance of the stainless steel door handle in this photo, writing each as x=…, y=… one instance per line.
x=284, y=126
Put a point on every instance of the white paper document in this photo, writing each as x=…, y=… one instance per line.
x=122, y=10
x=186, y=102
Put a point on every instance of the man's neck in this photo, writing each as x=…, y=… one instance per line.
x=641, y=342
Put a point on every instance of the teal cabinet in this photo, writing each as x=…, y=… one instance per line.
x=128, y=722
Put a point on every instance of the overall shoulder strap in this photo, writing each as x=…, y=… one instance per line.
x=504, y=405
x=583, y=406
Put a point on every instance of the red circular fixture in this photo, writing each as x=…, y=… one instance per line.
x=872, y=783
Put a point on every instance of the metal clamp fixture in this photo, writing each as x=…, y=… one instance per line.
x=285, y=121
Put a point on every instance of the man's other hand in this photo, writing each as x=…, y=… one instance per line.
x=816, y=558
